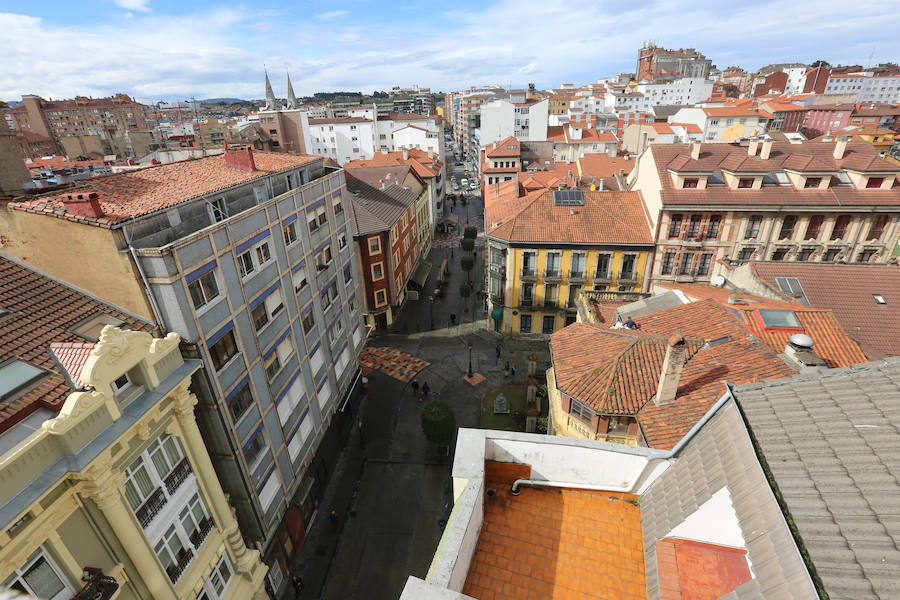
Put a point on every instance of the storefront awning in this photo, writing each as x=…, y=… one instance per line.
x=421, y=273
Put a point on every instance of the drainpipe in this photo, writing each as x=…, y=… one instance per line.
x=515, y=491
x=157, y=315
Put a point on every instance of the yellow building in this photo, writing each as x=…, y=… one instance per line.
x=107, y=491
x=546, y=247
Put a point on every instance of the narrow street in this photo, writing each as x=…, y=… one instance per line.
x=392, y=494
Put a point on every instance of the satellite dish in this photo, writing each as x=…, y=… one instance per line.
x=734, y=132
x=753, y=133
x=717, y=280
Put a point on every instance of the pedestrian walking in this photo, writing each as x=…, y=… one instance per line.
x=425, y=389
x=497, y=349
x=512, y=372
x=362, y=443
x=506, y=370
x=333, y=517
x=415, y=387
x=298, y=585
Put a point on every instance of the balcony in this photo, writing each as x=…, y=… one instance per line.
x=628, y=277
x=552, y=304
x=175, y=571
x=178, y=475
x=602, y=277
x=97, y=587
x=527, y=302
x=529, y=274
x=149, y=509
x=576, y=275
x=497, y=298
x=552, y=274
x=201, y=534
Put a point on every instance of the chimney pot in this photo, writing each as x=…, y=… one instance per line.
x=83, y=204
x=240, y=157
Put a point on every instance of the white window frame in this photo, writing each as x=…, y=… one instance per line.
x=269, y=491
x=205, y=287
x=18, y=575
x=323, y=396
x=291, y=399
x=216, y=585
x=289, y=233
x=300, y=279
x=218, y=209
x=317, y=360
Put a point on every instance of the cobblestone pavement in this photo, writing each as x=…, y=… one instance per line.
x=390, y=488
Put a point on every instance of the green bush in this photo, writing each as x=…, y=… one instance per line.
x=468, y=244
x=471, y=232
x=541, y=426
x=467, y=262
x=464, y=290
x=439, y=423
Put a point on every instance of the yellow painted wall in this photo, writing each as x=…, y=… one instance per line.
x=91, y=260
x=511, y=323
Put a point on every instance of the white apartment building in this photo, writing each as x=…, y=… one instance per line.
x=723, y=123
x=687, y=90
x=866, y=86
x=524, y=121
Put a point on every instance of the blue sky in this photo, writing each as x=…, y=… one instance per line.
x=166, y=49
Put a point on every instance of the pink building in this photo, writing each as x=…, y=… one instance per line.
x=821, y=118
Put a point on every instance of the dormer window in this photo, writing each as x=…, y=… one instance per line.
x=121, y=384
x=874, y=182
x=812, y=182
x=690, y=183
x=779, y=319
x=745, y=182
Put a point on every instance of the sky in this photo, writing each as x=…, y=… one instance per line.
x=174, y=49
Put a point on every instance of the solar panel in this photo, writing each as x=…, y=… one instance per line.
x=790, y=286
x=568, y=198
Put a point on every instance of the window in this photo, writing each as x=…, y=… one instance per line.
x=812, y=182
x=745, y=182
x=342, y=241
x=840, y=227
x=703, y=267
x=829, y=255
x=525, y=324
x=254, y=450
x=804, y=255
x=374, y=245
x=295, y=445
x=16, y=376
x=380, y=298
x=269, y=491
x=252, y=259
x=39, y=577
x=218, y=211
x=879, y=299
x=223, y=350
x=779, y=254
x=323, y=258
x=603, y=261
x=865, y=256
x=308, y=322
x=628, y=264
x=377, y=271
x=262, y=253
x=874, y=182
x=204, y=289
x=289, y=232
x=316, y=218
x=329, y=295
x=217, y=583
x=685, y=266
x=814, y=227
x=338, y=207
x=675, y=226
x=578, y=260
x=316, y=361
x=878, y=226
x=553, y=260
x=693, y=229
x=581, y=412
x=299, y=279
x=752, y=227
x=245, y=263
x=121, y=384
x=548, y=324
x=787, y=227
x=527, y=294
x=240, y=402
x=528, y=264
x=712, y=230
x=348, y=275
x=668, y=263
x=779, y=318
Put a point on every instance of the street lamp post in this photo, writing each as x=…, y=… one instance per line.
x=431, y=300
x=470, y=361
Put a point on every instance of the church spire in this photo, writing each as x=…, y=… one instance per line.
x=270, y=95
x=291, y=98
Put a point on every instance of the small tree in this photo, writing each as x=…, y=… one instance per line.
x=463, y=199
x=439, y=423
x=468, y=244
x=467, y=262
x=821, y=63
x=470, y=233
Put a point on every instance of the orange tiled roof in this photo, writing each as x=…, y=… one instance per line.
x=42, y=311
x=691, y=569
x=136, y=193
x=507, y=147
x=560, y=133
x=689, y=127
x=602, y=165
x=608, y=217
x=559, y=543
x=730, y=111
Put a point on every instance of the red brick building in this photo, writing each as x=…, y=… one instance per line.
x=821, y=118
x=384, y=224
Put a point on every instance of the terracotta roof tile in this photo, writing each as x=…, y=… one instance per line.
x=505, y=148
x=132, y=194
x=72, y=356
x=692, y=569
x=41, y=311
x=374, y=209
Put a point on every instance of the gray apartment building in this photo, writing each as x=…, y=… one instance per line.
x=248, y=256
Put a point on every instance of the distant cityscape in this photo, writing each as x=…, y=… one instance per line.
x=630, y=338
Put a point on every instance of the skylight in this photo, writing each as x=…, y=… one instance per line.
x=879, y=299
x=779, y=318
x=782, y=178
x=16, y=375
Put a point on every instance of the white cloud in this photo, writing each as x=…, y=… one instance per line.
x=139, y=5
x=334, y=14
x=505, y=42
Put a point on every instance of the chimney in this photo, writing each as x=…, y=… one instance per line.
x=766, y=148
x=240, y=157
x=601, y=184
x=405, y=154
x=799, y=350
x=695, y=150
x=673, y=364
x=840, y=147
x=753, y=146
x=85, y=204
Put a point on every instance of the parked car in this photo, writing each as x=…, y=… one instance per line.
x=464, y=181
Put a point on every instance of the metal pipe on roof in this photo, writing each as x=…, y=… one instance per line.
x=157, y=315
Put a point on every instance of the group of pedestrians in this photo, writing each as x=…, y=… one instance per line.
x=415, y=389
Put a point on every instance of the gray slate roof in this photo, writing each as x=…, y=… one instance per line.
x=373, y=210
x=721, y=455
x=832, y=443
